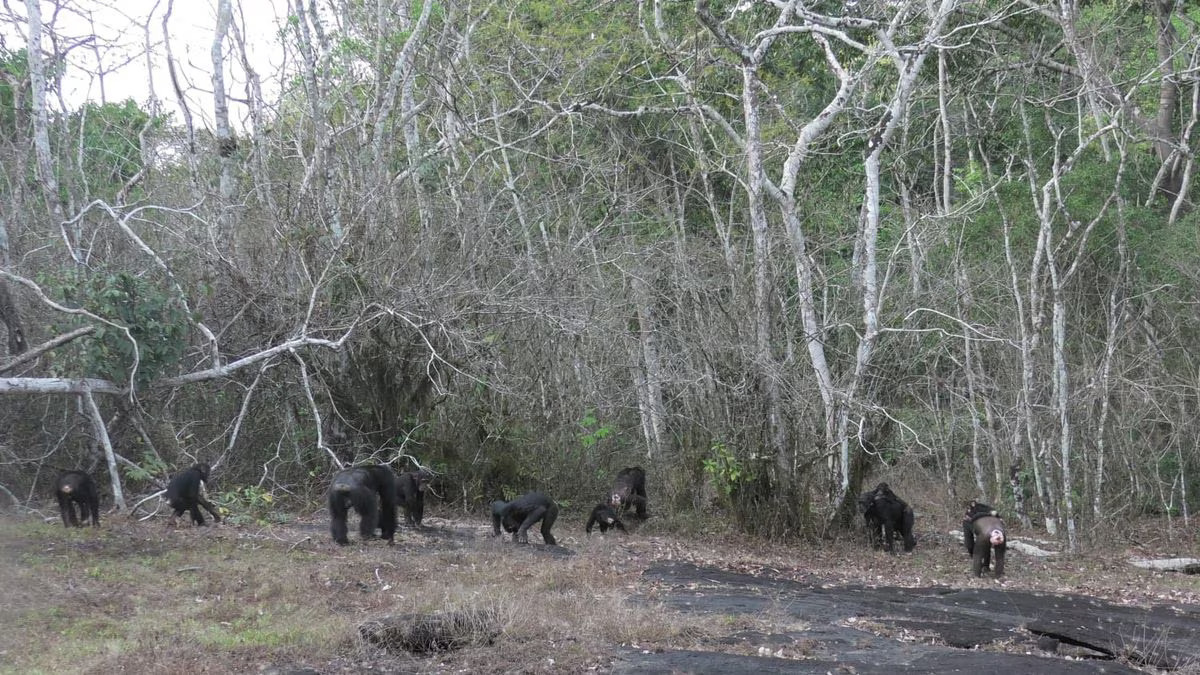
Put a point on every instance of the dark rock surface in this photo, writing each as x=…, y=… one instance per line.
x=888, y=629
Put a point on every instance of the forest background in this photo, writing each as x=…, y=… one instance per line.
x=765, y=249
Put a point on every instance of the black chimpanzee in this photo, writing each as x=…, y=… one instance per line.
x=604, y=516
x=77, y=487
x=521, y=513
x=629, y=489
x=184, y=494
x=983, y=530
x=371, y=491
x=411, y=490
x=887, y=516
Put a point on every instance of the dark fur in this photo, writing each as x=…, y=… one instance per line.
x=629, y=489
x=76, y=487
x=521, y=513
x=604, y=516
x=184, y=494
x=371, y=492
x=411, y=486
x=887, y=516
x=978, y=524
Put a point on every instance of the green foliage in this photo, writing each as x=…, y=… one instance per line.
x=594, y=430
x=146, y=469
x=110, y=135
x=154, y=318
x=249, y=504
x=14, y=101
x=727, y=472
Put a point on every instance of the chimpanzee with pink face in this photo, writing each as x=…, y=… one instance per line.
x=629, y=489
x=983, y=532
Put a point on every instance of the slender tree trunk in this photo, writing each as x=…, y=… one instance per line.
x=650, y=372
x=226, y=143
x=110, y=457
x=41, y=119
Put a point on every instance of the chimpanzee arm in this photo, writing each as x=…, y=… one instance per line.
x=497, y=516
x=548, y=522
x=209, y=507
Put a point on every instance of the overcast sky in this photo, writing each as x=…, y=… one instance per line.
x=112, y=34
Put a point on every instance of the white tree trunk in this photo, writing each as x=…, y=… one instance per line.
x=41, y=117
x=109, y=456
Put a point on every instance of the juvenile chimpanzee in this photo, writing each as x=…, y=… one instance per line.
x=604, y=516
x=77, y=487
x=629, y=489
x=411, y=489
x=887, y=516
x=521, y=513
x=184, y=494
x=983, y=530
x=371, y=491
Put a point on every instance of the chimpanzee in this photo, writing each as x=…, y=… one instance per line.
x=983, y=530
x=77, y=487
x=629, y=489
x=371, y=491
x=184, y=494
x=887, y=516
x=604, y=516
x=521, y=513
x=411, y=490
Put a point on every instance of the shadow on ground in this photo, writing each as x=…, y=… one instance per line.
x=848, y=628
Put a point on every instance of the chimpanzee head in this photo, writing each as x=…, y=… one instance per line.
x=865, y=501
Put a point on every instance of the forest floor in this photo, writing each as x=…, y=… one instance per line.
x=282, y=598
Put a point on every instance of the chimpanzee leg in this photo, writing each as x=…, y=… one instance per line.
x=999, y=568
x=875, y=533
x=639, y=502
x=889, y=533
x=906, y=530
x=366, y=522
x=197, y=517
x=522, y=533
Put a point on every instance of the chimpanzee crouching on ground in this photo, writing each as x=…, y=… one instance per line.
x=184, y=494
x=629, y=489
x=521, y=513
x=983, y=531
x=604, y=516
x=76, y=487
x=887, y=516
x=371, y=492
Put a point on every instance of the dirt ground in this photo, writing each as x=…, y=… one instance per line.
x=143, y=597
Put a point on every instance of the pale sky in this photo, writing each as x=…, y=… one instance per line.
x=112, y=32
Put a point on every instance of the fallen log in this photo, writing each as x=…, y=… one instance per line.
x=1185, y=565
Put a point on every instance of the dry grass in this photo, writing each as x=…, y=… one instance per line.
x=144, y=598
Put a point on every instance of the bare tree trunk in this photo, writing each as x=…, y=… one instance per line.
x=650, y=374
x=1118, y=312
x=41, y=119
x=319, y=170
x=114, y=474
x=226, y=143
